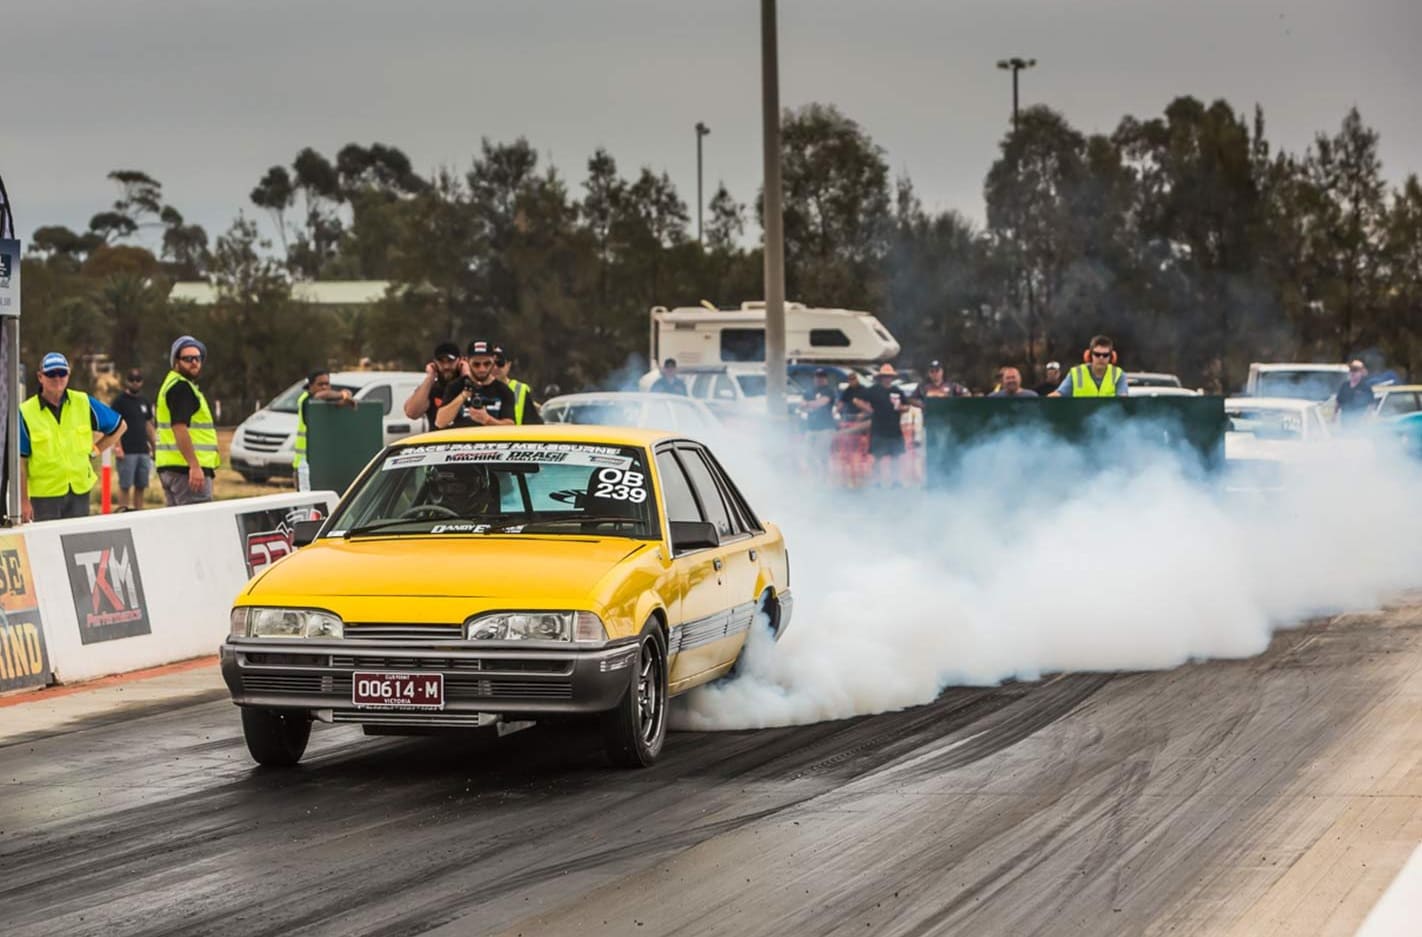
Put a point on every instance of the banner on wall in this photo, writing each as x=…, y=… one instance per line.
x=106, y=584
x=24, y=659
x=266, y=535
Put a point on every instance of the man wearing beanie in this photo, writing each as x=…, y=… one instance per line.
x=187, y=456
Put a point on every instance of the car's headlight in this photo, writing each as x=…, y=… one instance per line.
x=258, y=622
x=578, y=627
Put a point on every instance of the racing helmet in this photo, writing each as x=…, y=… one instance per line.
x=468, y=490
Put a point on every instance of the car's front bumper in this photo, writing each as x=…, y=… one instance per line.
x=316, y=676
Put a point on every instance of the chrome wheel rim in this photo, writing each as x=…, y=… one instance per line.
x=651, y=707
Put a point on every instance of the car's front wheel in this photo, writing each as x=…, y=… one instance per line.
x=633, y=731
x=275, y=737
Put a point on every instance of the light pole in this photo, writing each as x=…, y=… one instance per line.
x=1015, y=64
x=773, y=220
x=701, y=131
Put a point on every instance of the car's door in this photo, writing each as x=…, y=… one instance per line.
x=700, y=622
x=739, y=551
x=397, y=426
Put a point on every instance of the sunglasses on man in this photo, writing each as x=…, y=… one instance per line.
x=1100, y=354
x=189, y=359
x=60, y=372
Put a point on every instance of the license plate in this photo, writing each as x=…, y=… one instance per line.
x=397, y=690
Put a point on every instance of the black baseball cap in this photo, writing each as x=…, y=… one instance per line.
x=821, y=372
x=446, y=349
x=935, y=365
x=482, y=347
x=503, y=353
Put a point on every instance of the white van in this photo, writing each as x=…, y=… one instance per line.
x=1298, y=381
x=265, y=443
x=705, y=337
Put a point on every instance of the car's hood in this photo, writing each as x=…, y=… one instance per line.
x=270, y=421
x=410, y=578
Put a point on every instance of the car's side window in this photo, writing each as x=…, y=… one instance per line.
x=676, y=490
x=734, y=500
x=708, y=493
x=380, y=393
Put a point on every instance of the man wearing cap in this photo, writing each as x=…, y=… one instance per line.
x=884, y=404
x=443, y=381
x=937, y=386
x=59, y=428
x=187, y=455
x=525, y=407
x=483, y=399
x=668, y=382
x=135, y=448
x=1097, y=375
x=1052, y=379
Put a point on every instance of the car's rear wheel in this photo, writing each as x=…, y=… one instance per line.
x=275, y=737
x=633, y=731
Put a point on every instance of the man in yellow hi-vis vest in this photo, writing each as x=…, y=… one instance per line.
x=1097, y=375
x=186, y=455
x=318, y=387
x=525, y=407
x=59, y=428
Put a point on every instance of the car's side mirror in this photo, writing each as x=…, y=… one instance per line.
x=693, y=535
x=304, y=532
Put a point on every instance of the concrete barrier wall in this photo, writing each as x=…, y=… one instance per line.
x=126, y=591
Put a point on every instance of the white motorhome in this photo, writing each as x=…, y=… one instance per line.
x=706, y=337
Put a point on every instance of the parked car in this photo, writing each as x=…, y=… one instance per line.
x=671, y=412
x=478, y=577
x=1267, y=433
x=1397, y=400
x=1151, y=379
x=264, y=444
x=1314, y=382
x=1159, y=390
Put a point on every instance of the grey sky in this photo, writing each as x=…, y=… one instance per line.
x=206, y=94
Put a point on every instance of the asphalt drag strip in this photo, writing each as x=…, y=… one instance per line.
x=1273, y=795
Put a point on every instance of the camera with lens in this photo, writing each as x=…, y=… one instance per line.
x=475, y=398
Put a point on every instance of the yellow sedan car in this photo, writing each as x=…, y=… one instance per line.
x=479, y=577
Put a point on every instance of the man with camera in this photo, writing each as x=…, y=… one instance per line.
x=483, y=400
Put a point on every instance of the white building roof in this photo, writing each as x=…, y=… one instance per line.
x=322, y=293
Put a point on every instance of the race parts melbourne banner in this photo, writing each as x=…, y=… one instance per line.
x=266, y=535
x=24, y=660
x=107, y=587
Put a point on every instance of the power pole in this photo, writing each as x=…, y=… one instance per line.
x=774, y=228
x=701, y=131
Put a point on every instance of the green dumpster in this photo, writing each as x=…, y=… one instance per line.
x=1193, y=426
x=340, y=440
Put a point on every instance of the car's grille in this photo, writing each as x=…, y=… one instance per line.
x=417, y=632
x=296, y=683
x=503, y=665
x=378, y=717
x=456, y=686
x=263, y=442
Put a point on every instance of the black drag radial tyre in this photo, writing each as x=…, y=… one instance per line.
x=275, y=737
x=633, y=731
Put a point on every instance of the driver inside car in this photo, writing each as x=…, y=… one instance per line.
x=467, y=490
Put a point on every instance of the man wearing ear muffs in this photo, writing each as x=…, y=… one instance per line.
x=1097, y=375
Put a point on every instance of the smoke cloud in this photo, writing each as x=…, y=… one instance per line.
x=1038, y=557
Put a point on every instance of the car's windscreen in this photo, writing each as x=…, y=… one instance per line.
x=462, y=488
x=285, y=401
x=595, y=413
x=1298, y=385
x=1400, y=403
x=1267, y=424
x=1153, y=380
x=752, y=385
